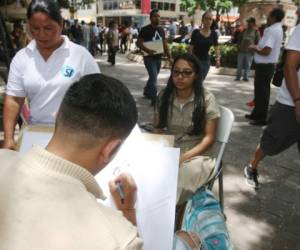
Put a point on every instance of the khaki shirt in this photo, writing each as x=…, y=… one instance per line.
x=180, y=120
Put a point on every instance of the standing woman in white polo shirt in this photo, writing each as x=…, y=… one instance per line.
x=43, y=70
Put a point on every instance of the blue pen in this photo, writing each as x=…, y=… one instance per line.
x=120, y=191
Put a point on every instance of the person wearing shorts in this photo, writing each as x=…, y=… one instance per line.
x=283, y=125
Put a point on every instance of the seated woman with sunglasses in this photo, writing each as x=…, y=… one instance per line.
x=189, y=112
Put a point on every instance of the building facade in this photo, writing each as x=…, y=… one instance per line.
x=130, y=11
x=261, y=8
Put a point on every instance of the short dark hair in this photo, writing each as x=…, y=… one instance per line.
x=97, y=106
x=251, y=20
x=278, y=14
x=153, y=12
x=50, y=7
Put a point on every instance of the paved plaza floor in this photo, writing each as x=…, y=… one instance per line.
x=265, y=219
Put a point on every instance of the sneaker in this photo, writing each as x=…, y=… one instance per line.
x=237, y=79
x=245, y=79
x=251, y=176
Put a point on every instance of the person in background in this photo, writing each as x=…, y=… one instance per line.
x=266, y=55
x=248, y=37
x=112, y=40
x=86, y=34
x=19, y=38
x=51, y=192
x=189, y=112
x=101, y=38
x=236, y=32
x=76, y=31
x=95, y=32
x=67, y=29
x=201, y=42
x=192, y=27
x=152, y=58
x=182, y=31
x=172, y=31
x=135, y=33
x=43, y=71
x=283, y=128
x=124, y=35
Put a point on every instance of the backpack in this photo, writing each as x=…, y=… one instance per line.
x=204, y=217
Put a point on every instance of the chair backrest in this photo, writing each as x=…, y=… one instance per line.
x=225, y=124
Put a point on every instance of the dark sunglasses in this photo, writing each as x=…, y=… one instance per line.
x=184, y=73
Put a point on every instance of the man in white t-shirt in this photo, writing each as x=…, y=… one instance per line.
x=283, y=129
x=266, y=56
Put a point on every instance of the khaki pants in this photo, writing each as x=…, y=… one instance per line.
x=193, y=174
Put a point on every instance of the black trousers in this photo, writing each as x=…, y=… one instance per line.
x=112, y=51
x=263, y=75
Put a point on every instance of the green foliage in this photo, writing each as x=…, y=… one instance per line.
x=297, y=2
x=178, y=49
x=228, y=55
x=221, y=6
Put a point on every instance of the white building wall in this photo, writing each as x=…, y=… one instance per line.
x=86, y=13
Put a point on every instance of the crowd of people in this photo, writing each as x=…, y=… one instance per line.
x=53, y=190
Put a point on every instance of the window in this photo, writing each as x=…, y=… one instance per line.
x=115, y=5
x=172, y=7
x=166, y=6
x=182, y=7
x=138, y=4
x=160, y=6
x=153, y=5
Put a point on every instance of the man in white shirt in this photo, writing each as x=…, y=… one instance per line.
x=266, y=56
x=283, y=129
x=49, y=196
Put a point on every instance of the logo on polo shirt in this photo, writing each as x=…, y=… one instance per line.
x=67, y=71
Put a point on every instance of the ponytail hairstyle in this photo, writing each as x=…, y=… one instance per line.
x=198, y=117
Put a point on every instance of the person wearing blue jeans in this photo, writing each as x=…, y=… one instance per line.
x=205, y=65
x=152, y=65
x=149, y=36
x=249, y=36
x=244, y=62
x=202, y=40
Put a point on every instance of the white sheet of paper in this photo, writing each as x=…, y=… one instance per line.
x=155, y=170
x=156, y=45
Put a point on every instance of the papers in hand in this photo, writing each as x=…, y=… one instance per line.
x=154, y=168
x=156, y=45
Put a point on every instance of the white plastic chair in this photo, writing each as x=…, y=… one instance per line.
x=224, y=129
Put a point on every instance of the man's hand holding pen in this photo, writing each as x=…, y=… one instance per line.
x=123, y=190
